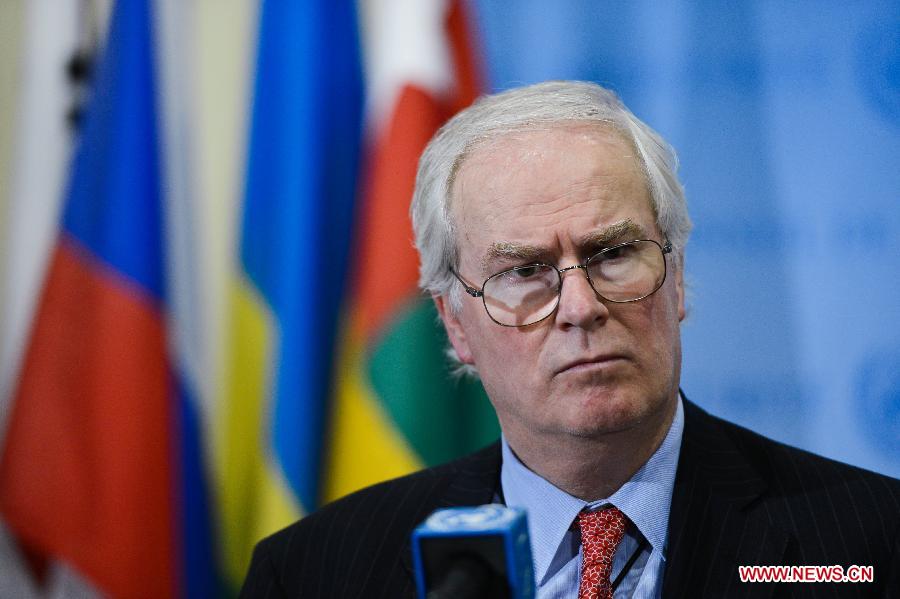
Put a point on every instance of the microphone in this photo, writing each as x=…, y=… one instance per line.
x=473, y=553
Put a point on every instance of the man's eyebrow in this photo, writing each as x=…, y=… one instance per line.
x=510, y=250
x=625, y=230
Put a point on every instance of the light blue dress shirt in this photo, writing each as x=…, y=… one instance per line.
x=556, y=548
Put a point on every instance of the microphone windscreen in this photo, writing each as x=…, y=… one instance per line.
x=473, y=552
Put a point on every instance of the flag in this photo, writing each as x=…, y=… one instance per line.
x=39, y=151
x=101, y=463
x=396, y=406
x=289, y=270
x=42, y=152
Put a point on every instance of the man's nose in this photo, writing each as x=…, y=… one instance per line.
x=579, y=304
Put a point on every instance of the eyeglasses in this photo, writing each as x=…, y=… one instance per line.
x=525, y=295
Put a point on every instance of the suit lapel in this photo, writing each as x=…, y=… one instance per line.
x=716, y=522
x=474, y=481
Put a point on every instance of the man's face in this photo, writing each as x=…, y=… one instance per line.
x=593, y=367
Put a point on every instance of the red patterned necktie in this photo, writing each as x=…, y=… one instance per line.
x=601, y=533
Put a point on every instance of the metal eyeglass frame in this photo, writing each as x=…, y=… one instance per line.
x=664, y=249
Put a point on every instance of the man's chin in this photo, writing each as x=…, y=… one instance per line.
x=598, y=415
x=600, y=429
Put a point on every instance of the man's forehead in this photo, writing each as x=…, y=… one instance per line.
x=525, y=176
x=490, y=167
x=528, y=142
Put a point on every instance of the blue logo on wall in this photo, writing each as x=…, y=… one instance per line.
x=878, y=386
x=878, y=64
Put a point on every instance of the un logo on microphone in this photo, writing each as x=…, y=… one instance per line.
x=878, y=389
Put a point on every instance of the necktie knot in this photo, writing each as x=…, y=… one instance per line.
x=601, y=533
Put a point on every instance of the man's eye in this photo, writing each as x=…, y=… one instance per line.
x=615, y=253
x=525, y=272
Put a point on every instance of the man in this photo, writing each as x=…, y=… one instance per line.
x=551, y=228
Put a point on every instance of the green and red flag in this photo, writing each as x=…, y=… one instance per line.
x=396, y=406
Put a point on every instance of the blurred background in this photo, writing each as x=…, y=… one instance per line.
x=209, y=322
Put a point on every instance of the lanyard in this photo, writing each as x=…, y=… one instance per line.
x=642, y=544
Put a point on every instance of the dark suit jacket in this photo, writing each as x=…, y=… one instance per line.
x=739, y=498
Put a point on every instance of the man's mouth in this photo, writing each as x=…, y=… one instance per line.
x=590, y=363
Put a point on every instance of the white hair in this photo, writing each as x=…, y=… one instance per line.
x=534, y=106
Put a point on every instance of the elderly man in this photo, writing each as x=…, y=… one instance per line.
x=551, y=228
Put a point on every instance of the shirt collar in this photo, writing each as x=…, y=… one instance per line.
x=645, y=498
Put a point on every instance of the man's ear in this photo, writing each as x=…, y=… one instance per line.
x=679, y=289
x=454, y=329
